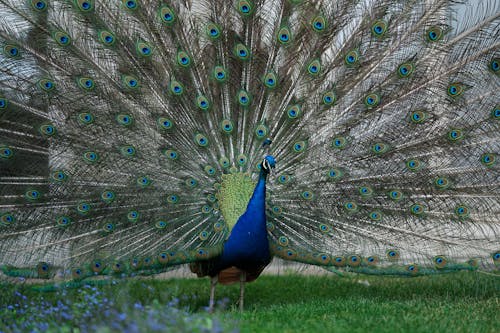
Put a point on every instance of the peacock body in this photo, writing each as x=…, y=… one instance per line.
x=134, y=136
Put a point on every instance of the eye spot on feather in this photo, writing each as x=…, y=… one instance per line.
x=329, y=98
x=167, y=15
x=380, y=148
x=418, y=209
x=202, y=103
x=418, y=116
x=43, y=270
x=130, y=4
x=339, y=261
x=351, y=59
x=284, y=36
x=47, y=85
x=209, y=170
x=395, y=195
x=413, y=165
x=494, y=65
x=47, y=130
x=245, y=7
x=462, y=211
x=488, y=159
x=85, y=6
x=441, y=183
x=270, y=80
x=201, y=253
x=6, y=152
x=160, y=225
x=39, y=5
x=375, y=216
x=172, y=198
x=440, y=262
x=324, y=228
x=143, y=181
x=496, y=257
x=61, y=38
x=372, y=261
x=406, y=69
x=227, y=126
x=335, y=174
x=351, y=207
x=90, y=156
x=224, y=162
x=307, y=195
x=219, y=74
x=124, y=120
x=6, y=219
x=283, y=241
x=63, y=221
x=365, y=191
x=319, y=24
x=261, y=131
x=83, y=208
x=108, y=196
x=455, y=89
x=59, y=176
x=455, y=135
x=11, y=51
x=412, y=269
x=32, y=195
x=213, y=31
x=299, y=146
x=314, y=67
x=495, y=113
x=339, y=142
x=434, y=34
x=201, y=140
x=392, y=255
x=176, y=88
x=143, y=49
x=133, y=216
x=130, y=82
x=379, y=28
x=4, y=102
x=241, y=52
x=106, y=37
x=171, y=154
x=354, y=261
x=372, y=100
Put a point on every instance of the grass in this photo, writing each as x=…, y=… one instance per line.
x=459, y=302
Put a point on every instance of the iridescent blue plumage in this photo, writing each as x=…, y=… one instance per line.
x=247, y=247
x=246, y=252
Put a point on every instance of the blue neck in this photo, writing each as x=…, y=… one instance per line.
x=248, y=244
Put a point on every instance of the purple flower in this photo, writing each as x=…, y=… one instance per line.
x=43, y=326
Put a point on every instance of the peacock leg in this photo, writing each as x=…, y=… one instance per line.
x=213, y=283
x=243, y=279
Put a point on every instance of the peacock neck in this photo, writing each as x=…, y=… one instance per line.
x=247, y=243
x=254, y=217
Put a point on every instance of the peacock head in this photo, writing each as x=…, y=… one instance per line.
x=268, y=163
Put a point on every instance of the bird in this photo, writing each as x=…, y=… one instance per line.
x=139, y=136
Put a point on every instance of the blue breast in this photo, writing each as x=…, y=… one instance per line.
x=247, y=246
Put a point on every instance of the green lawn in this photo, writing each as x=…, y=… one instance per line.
x=459, y=302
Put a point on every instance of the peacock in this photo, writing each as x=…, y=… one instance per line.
x=137, y=136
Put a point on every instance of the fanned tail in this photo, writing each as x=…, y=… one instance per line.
x=131, y=134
